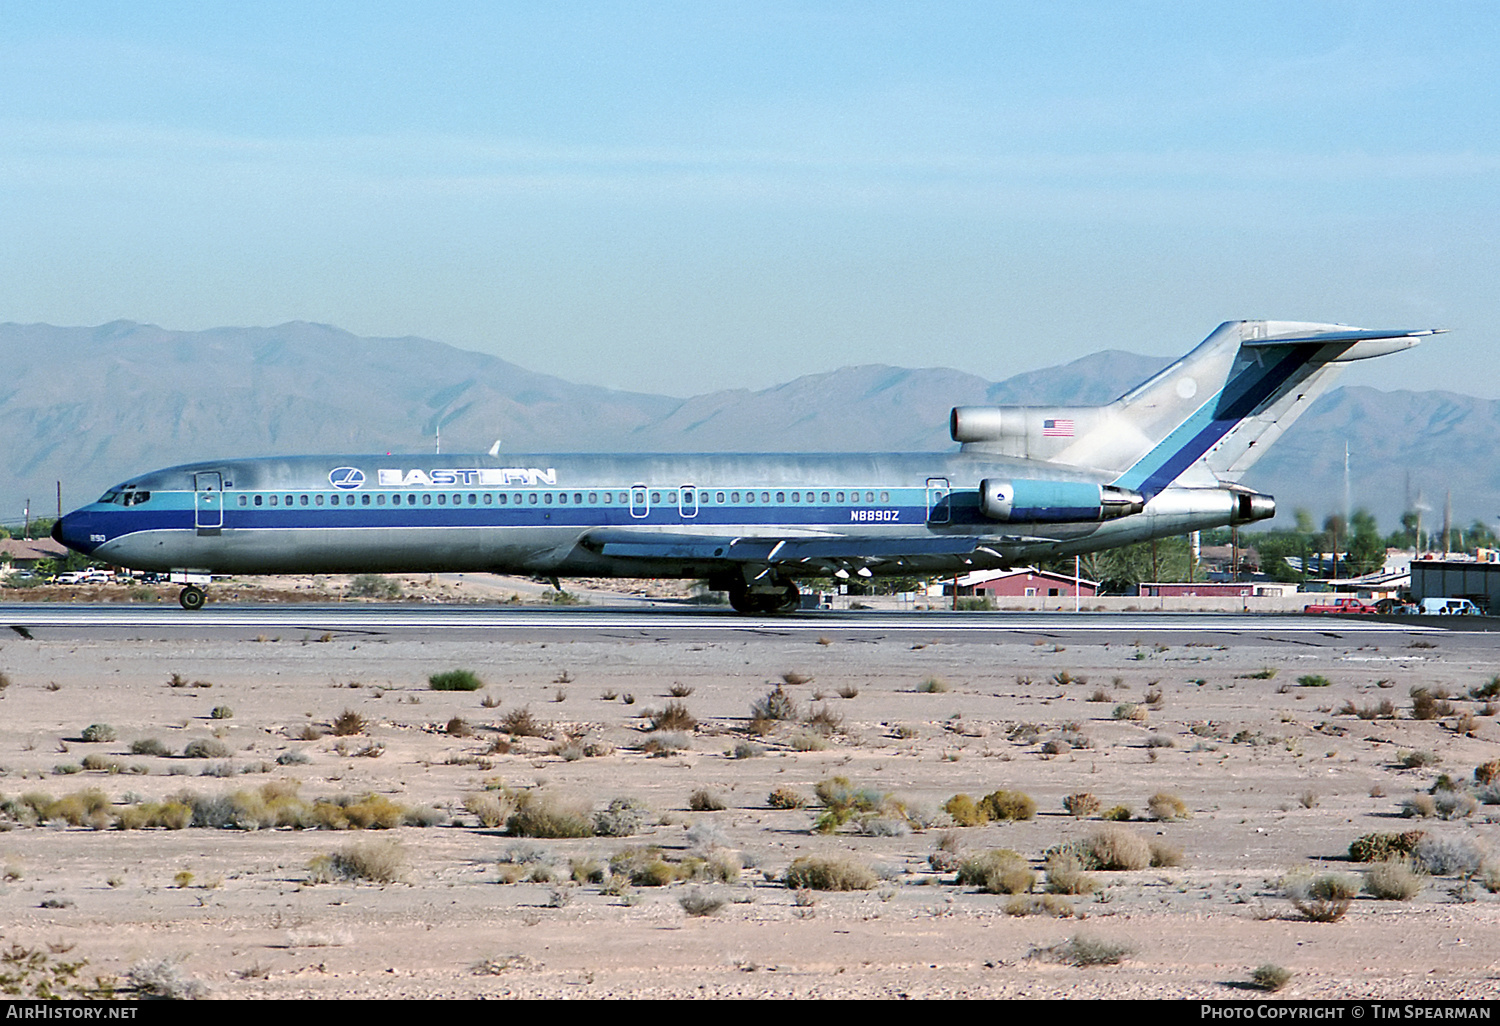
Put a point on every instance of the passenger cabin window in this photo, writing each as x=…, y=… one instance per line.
x=427, y=499
x=319, y=500
x=243, y=500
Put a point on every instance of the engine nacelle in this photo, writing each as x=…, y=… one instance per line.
x=1056, y=501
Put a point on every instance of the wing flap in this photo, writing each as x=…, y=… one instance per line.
x=629, y=545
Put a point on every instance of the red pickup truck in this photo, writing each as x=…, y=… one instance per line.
x=1342, y=605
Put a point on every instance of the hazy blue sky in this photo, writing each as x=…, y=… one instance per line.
x=677, y=197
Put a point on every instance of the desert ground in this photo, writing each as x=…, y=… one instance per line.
x=182, y=813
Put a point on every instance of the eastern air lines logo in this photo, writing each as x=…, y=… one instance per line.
x=447, y=477
x=346, y=477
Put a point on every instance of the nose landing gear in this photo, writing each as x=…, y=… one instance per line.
x=192, y=597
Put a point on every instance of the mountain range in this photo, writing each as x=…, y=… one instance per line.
x=90, y=406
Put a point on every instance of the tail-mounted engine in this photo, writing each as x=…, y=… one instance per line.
x=1056, y=500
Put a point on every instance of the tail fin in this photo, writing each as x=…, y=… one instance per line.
x=1205, y=419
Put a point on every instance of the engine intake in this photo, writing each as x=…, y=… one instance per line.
x=1056, y=501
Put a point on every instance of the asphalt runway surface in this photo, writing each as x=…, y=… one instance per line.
x=63, y=620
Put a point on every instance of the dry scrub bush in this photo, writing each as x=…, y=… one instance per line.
x=698, y=903
x=44, y=975
x=1081, y=805
x=1419, y=806
x=1392, y=881
x=1487, y=772
x=1000, y=871
x=786, y=798
x=703, y=800
x=1065, y=875
x=1164, y=805
x=491, y=808
x=87, y=808
x=824, y=720
x=643, y=867
x=932, y=686
x=1004, y=805
x=1270, y=977
x=1430, y=703
x=1083, y=950
x=545, y=814
x=1449, y=856
x=814, y=873
x=520, y=723
x=1164, y=854
x=1039, y=905
x=1322, y=899
x=382, y=861
x=775, y=705
x=622, y=817
x=1384, y=847
x=995, y=806
x=1109, y=848
x=1385, y=709
x=96, y=733
x=842, y=801
x=674, y=717
x=348, y=723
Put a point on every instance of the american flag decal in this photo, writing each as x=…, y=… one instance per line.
x=1057, y=429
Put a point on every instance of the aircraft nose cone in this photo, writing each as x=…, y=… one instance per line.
x=73, y=532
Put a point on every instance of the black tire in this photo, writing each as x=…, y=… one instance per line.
x=748, y=602
x=191, y=597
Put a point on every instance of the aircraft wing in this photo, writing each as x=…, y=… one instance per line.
x=742, y=549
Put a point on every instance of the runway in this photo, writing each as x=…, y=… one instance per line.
x=80, y=619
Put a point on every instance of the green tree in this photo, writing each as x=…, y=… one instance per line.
x=1365, y=546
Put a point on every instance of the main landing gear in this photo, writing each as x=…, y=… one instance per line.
x=772, y=594
x=191, y=597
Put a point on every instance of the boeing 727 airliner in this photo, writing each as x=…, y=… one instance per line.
x=1027, y=483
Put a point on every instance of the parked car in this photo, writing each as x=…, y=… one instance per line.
x=1342, y=605
x=1449, y=607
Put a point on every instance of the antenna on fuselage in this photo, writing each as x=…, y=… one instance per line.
x=495, y=449
x=438, y=434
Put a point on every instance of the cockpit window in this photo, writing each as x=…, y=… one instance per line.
x=109, y=496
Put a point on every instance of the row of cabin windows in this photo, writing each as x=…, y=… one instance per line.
x=547, y=498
